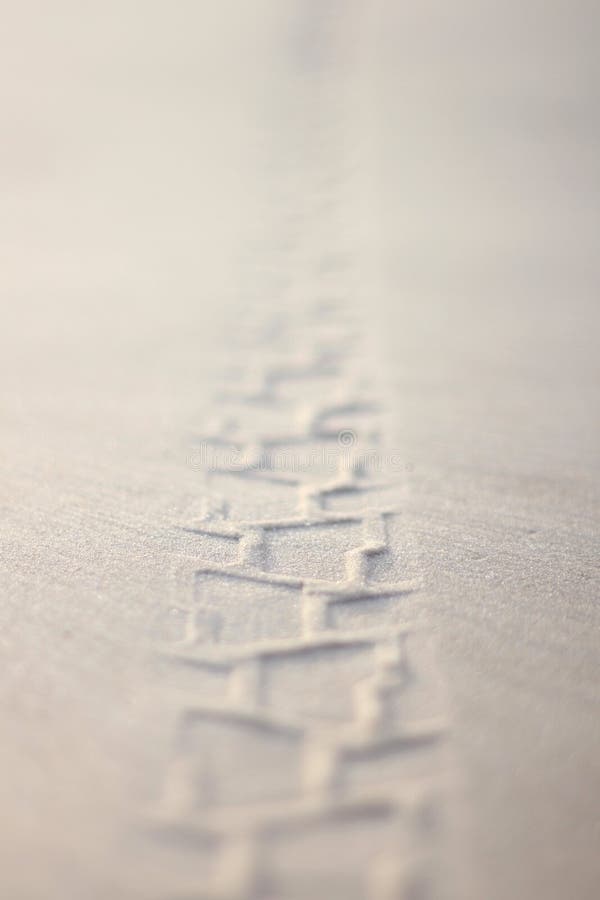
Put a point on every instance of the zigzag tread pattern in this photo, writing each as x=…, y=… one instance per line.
x=318, y=730
x=306, y=759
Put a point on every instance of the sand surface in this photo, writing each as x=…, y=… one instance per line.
x=300, y=451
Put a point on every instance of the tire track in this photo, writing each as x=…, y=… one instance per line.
x=314, y=769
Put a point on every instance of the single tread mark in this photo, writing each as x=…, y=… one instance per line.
x=315, y=773
x=314, y=730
